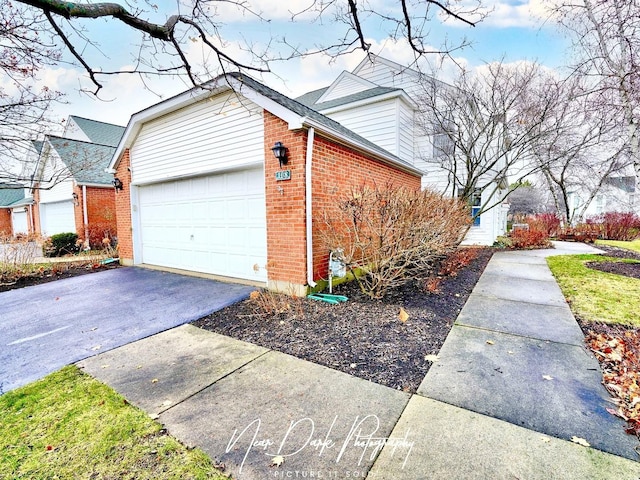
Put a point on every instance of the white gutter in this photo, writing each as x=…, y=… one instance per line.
x=85, y=215
x=309, y=202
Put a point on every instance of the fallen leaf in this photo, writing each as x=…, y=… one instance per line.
x=353, y=365
x=155, y=380
x=138, y=367
x=97, y=347
x=545, y=439
x=490, y=342
x=580, y=441
x=404, y=316
x=547, y=377
x=510, y=352
x=104, y=366
x=277, y=460
x=431, y=358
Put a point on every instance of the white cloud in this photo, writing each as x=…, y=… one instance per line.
x=516, y=13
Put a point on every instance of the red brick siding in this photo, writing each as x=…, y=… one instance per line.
x=101, y=214
x=36, y=212
x=286, y=221
x=6, y=226
x=123, y=210
x=335, y=170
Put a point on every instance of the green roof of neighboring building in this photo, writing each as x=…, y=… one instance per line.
x=11, y=194
x=100, y=132
x=86, y=161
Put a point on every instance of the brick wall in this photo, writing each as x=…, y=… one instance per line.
x=36, y=212
x=6, y=226
x=335, y=169
x=285, y=202
x=123, y=211
x=101, y=214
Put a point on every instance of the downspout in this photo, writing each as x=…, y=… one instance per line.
x=85, y=216
x=309, y=203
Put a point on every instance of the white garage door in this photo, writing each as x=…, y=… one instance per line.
x=214, y=224
x=19, y=219
x=57, y=217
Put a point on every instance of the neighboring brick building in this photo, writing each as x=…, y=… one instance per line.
x=15, y=211
x=202, y=190
x=75, y=194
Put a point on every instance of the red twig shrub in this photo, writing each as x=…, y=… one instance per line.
x=546, y=222
x=391, y=235
x=623, y=226
x=532, y=238
x=457, y=260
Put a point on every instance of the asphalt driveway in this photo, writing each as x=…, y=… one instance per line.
x=44, y=327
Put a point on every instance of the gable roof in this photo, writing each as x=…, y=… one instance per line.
x=346, y=82
x=360, y=97
x=295, y=113
x=312, y=97
x=86, y=161
x=99, y=132
x=11, y=194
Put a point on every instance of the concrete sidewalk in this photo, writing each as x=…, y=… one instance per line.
x=512, y=386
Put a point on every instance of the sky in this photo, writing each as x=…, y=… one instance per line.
x=514, y=30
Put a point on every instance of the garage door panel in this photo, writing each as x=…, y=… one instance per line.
x=214, y=224
x=57, y=217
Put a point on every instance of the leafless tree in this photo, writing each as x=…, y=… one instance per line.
x=38, y=33
x=484, y=127
x=606, y=49
x=163, y=47
x=24, y=50
x=581, y=147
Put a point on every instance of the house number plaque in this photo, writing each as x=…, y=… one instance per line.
x=283, y=175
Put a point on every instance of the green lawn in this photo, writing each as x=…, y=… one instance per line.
x=634, y=245
x=68, y=425
x=597, y=296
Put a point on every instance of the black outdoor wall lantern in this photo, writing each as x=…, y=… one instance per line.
x=280, y=152
x=117, y=183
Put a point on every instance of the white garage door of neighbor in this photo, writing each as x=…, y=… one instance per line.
x=19, y=219
x=214, y=224
x=57, y=217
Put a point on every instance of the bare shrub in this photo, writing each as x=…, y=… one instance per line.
x=391, y=235
x=623, y=226
x=532, y=238
x=270, y=303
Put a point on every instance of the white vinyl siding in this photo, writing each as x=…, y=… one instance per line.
x=385, y=76
x=346, y=84
x=57, y=217
x=59, y=192
x=377, y=122
x=221, y=133
x=214, y=224
x=406, y=133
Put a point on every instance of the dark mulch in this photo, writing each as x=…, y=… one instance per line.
x=619, y=268
x=53, y=274
x=362, y=337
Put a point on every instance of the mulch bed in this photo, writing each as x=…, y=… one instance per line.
x=363, y=337
x=619, y=268
x=53, y=274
